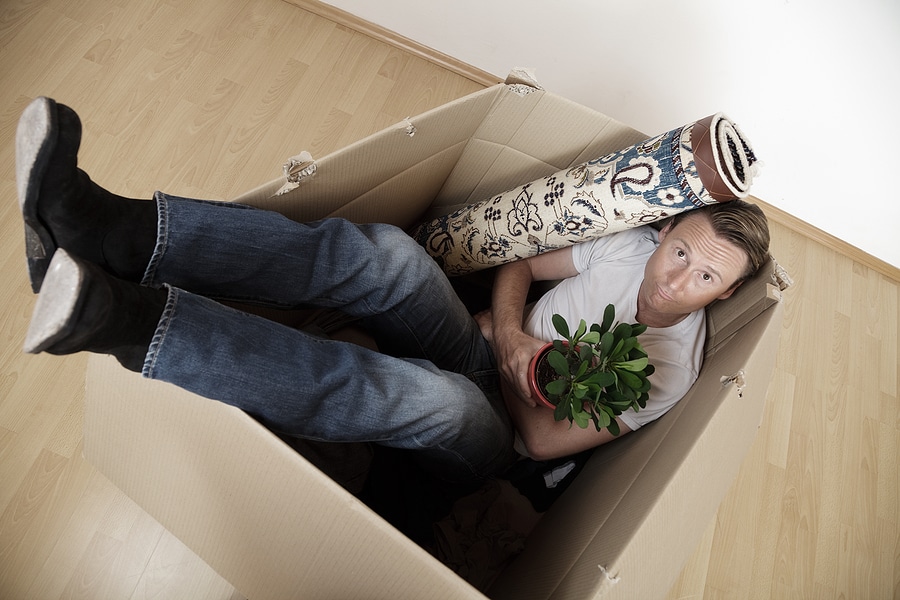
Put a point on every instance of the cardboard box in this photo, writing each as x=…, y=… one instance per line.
x=276, y=527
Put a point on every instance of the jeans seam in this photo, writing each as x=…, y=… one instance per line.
x=162, y=237
x=159, y=336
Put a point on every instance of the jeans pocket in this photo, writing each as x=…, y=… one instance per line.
x=488, y=381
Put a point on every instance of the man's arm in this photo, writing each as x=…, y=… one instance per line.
x=514, y=348
x=543, y=436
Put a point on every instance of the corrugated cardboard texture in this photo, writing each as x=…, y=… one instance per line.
x=617, y=531
x=525, y=138
x=461, y=153
x=251, y=507
x=388, y=177
x=275, y=527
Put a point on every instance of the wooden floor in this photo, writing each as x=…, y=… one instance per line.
x=208, y=98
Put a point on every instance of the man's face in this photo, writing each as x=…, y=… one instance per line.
x=690, y=268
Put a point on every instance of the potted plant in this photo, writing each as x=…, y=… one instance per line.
x=593, y=374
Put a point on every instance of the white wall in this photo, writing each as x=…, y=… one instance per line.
x=814, y=84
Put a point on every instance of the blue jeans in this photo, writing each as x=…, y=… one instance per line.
x=432, y=388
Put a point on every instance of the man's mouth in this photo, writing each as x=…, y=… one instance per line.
x=663, y=294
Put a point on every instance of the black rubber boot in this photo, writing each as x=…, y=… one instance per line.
x=83, y=308
x=63, y=208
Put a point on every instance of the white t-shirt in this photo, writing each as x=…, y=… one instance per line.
x=610, y=270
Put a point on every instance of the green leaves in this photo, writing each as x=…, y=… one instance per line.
x=622, y=331
x=558, y=362
x=638, y=364
x=606, y=343
x=629, y=379
x=559, y=323
x=602, y=371
x=557, y=387
x=601, y=379
x=609, y=315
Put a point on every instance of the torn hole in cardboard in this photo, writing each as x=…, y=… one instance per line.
x=738, y=380
x=608, y=577
x=296, y=169
x=522, y=81
x=408, y=127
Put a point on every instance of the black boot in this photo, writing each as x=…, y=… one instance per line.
x=82, y=308
x=63, y=208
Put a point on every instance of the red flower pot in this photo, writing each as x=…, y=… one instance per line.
x=538, y=372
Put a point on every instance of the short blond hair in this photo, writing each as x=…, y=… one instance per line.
x=741, y=223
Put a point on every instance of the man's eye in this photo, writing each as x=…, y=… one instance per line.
x=707, y=277
x=680, y=253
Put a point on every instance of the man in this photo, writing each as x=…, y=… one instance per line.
x=140, y=280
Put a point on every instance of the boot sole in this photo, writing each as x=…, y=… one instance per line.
x=36, y=138
x=59, y=304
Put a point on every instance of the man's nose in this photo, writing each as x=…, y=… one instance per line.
x=677, y=279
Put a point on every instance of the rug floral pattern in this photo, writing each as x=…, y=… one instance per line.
x=628, y=188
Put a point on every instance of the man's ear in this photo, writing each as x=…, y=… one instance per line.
x=665, y=230
x=732, y=290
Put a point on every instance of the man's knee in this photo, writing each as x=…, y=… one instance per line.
x=399, y=257
x=483, y=435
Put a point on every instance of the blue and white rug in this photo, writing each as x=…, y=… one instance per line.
x=689, y=167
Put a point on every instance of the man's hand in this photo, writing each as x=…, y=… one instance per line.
x=514, y=351
x=485, y=322
x=502, y=327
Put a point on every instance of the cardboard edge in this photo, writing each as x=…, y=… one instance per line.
x=330, y=176
x=691, y=496
x=609, y=554
x=152, y=440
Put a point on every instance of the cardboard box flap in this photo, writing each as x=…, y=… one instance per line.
x=391, y=155
x=459, y=153
x=482, y=170
x=525, y=137
x=655, y=489
x=401, y=199
x=548, y=127
x=201, y=468
x=611, y=136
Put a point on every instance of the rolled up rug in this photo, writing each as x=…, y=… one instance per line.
x=701, y=163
